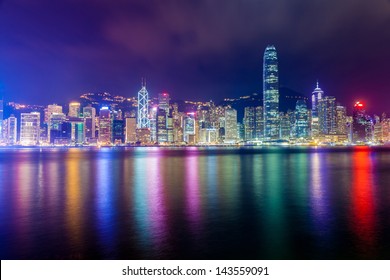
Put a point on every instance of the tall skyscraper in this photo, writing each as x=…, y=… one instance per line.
x=56, y=127
x=10, y=130
x=89, y=114
x=301, y=120
x=163, y=101
x=189, y=128
x=118, y=131
x=105, y=126
x=231, y=131
x=362, y=125
x=161, y=126
x=249, y=123
x=316, y=96
x=131, y=126
x=327, y=115
x=271, y=94
x=1, y=116
x=74, y=109
x=30, y=128
x=143, y=107
x=341, y=120
x=51, y=109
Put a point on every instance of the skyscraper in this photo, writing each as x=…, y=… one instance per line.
x=271, y=94
x=131, y=126
x=316, y=96
x=74, y=109
x=89, y=114
x=301, y=120
x=362, y=124
x=30, y=128
x=163, y=101
x=327, y=115
x=143, y=107
x=10, y=130
x=231, y=132
x=105, y=126
x=1, y=116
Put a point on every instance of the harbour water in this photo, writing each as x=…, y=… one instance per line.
x=195, y=203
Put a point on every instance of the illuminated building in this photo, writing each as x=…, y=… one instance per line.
x=105, y=126
x=327, y=115
x=170, y=128
x=51, y=109
x=161, y=126
x=189, y=129
x=249, y=123
x=341, y=120
x=118, y=131
x=301, y=120
x=361, y=124
x=285, y=126
x=271, y=94
x=30, y=128
x=143, y=107
x=231, y=132
x=143, y=136
x=316, y=96
x=89, y=114
x=74, y=110
x=153, y=124
x=131, y=126
x=163, y=101
x=253, y=123
x=1, y=116
x=259, y=122
x=56, y=128
x=10, y=130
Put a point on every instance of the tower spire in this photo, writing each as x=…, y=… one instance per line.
x=318, y=84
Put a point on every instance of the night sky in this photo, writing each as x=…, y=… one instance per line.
x=53, y=51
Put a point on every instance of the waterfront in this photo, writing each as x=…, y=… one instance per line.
x=195, y=203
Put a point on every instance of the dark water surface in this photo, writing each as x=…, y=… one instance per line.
x=195, y=203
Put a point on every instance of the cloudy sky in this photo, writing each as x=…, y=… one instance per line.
x=53, y=51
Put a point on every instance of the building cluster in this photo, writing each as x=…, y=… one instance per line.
x=161, y=122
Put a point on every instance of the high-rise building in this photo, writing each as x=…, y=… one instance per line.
x=253, y=123
x=74, y=109
x=327, y=115
x=105, y=126
x=1, y=116
x=341, y=120
x=286, y=125
x=143, y=107
x=161, y=127
x=271, y=94
x=131, y=126
x=30, y=128
x=316, y=96
x=163, y=101
x=231, y=132
x=249, y=123
x=362, y=125
x=118, y=131
x=301, y=119
x=89, y=114
x=153, y=123
x=10, y=126
x=51, y=109
x=56, y=129
x=189, y=128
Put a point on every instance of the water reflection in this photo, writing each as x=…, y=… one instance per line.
x=194, y=203
x=363, y=203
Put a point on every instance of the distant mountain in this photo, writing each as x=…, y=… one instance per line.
x=288, y=99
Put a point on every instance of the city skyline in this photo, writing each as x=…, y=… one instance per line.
x=48, y=58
